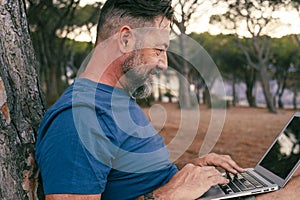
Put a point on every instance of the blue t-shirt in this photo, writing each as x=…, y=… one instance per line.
x=96, y=139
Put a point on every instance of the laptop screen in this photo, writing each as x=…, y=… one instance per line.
x=285, y=152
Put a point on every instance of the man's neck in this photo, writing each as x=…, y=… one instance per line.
x=104, y=65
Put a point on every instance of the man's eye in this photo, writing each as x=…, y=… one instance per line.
x=159, y=51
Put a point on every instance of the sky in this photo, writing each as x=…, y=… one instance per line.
x=84, y=2
x=290, y=23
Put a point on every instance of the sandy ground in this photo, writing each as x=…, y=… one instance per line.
x=246, y=135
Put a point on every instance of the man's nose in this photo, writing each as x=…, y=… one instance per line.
x=163, y=61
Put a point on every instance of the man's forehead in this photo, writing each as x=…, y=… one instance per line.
x=157, y=35
x=157, y=38
x=161, y=30
x=162, y=23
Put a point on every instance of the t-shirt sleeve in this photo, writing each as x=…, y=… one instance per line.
x=74, y=156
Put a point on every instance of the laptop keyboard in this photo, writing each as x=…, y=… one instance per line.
x=241, y=182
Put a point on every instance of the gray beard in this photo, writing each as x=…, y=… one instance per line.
x=142, y=92
x=138, y=84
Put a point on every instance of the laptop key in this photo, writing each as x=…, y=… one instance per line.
x=256, y=182
x=233, y=187
x=240, y=182
x=240, y=185
x=225, y=189
x=247, y=184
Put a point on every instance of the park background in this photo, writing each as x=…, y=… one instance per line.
x=254, y=44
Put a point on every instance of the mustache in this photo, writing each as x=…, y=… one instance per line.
x=155, y=71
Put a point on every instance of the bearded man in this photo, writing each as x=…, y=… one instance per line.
x=95, y=142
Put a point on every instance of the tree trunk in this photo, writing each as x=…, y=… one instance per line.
x=234, y=94
x=280, y=94
x=295, y=99
x=184, y=88
x=250, y=79
x=266, y=90
x=21, y=104
x=277, y=94
x=281, y=78
x=206, y=97
x=250, y=98
x=198, y=92
x=184, y=92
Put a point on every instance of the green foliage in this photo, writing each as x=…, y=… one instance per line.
x=285, y=52
x=79, y=51
x=50, y=23
x=286, y=62
x=49, y=19
x=233, y=64
x=225, y=53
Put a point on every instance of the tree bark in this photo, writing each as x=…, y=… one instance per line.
x=266, y=90
x=234, y=94
x=206, y=97
x=21, y=103
x=184, y=87
x=184, y=92
x=250, y=79
x=295, y=99
x=280, y=91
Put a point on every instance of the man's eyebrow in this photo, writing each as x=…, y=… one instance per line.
x=164, y=46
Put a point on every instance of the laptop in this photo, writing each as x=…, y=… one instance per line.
x=271, y=173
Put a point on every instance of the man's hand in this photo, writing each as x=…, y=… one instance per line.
x=223, y=161
x=196, y=178
x=190, y=182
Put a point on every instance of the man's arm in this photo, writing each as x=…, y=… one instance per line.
x=73, y=197
x=196, y=178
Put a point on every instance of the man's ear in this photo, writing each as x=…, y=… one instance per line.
x=126, y=39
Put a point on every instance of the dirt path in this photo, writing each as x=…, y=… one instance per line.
x=246, y=134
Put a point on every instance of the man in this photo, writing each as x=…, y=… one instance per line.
x=95, y=142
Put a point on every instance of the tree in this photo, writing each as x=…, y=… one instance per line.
x=21, y=102
x=294, y=84
x=259, y=20
x=226, y=55
x=230, y=61
x=184, y=14
x=51, y=23
x=250, y=75
x=285, y=57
